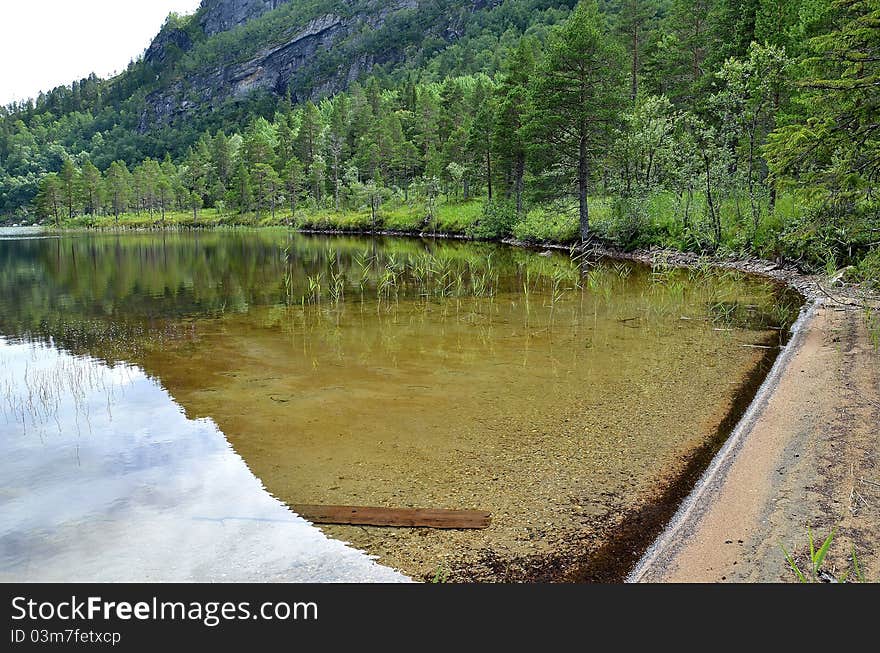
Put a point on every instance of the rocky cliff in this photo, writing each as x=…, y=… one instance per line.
x=217, y=16
x=308, y=53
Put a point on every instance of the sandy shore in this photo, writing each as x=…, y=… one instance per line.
x=807, y=455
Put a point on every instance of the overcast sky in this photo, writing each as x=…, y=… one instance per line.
x=46, y=43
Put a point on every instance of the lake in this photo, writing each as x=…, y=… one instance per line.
x=169, y=398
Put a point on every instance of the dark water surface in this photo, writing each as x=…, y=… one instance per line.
x=167, y=397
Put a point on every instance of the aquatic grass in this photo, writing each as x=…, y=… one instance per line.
x=288, y=275
x=702, y=270
x=37, y=399
x=314, y=293
x=723, y=312
x=622, y=270
x=336, y=286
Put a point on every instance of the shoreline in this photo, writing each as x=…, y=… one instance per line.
x=646, y=537
x=685, y=522
x=805, y=459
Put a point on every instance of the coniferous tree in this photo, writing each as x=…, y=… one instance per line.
x=118, y=187
x=576, y=99
x=509, y=141
x=50, y=197
x=91, y=187
x=833, y=146
x=634, y=23
x=70, y=193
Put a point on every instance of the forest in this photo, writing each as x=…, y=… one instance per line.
x=732, y=127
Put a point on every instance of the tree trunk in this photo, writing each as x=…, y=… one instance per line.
x=771, y=182
x=756, y=211
x=336, y=180
x=519, y=176
x=713, y=214
x=634, y=91
x=583, y=181
x=489, y=172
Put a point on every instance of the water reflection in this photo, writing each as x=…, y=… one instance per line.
x=105, y=479
x=558, y=394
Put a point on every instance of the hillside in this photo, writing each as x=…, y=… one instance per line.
x=715, y=126
x=235, y=59
x=309, y=50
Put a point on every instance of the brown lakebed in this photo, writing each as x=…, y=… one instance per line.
x=560, y=395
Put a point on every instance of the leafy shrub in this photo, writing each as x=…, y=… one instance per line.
x=868, y=269
x=627, y=223
x=548, y=225
x=496, y=221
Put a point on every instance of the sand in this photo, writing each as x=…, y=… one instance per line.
x=808, y=459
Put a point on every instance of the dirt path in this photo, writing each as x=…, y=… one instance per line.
x=808, y=456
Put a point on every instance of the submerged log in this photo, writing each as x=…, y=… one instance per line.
x=395, y=517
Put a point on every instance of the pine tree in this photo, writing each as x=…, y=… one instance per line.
x=221, y=160
x=194, y=175
x=835, y=144
x=118, y=187
x=50, y=197
x=508, y=140
x=293, y=175
x=241, y=194
x=576, y=99
x=683, y=50
x=634, y=22
x=481, y=131
x=149, y=173
x=337, y=142
x=91, y=186
x=69, y=186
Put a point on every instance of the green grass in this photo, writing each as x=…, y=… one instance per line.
x=452, y=217
x=209, y=217
x=330, y=220
x=456, y=217
x=548, y=225
x=404, y=217
x=867, y=270
x=637, y=223
x=814, y=572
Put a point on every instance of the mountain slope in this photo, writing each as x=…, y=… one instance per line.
x=234, y=60
x=304, y=51
x=232, y=49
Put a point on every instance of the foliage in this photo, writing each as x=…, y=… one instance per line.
x=815, y=573
x=707, y=125
x=575, y=100
x=496, y=221
x=550, y=224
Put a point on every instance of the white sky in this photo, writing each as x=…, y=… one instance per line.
x=47, y=43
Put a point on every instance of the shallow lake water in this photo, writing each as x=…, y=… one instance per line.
x=170, y=398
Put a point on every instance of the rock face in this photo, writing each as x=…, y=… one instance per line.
x=169, y=39
x=218, y=16
x=309, y=61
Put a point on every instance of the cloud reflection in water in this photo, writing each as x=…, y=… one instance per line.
x=104, y=479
